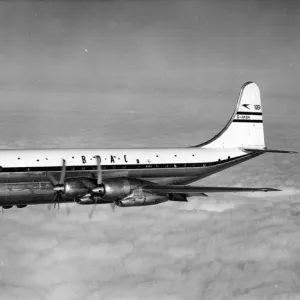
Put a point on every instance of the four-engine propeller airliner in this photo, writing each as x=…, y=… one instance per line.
x=134, y=177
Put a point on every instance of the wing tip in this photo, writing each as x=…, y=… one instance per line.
x=292, y=152
x=269, y=190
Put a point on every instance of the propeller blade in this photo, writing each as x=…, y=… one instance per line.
x=56, y=200
x=99, y=183
x=63, y=173
x=92, y=210
x=99, y=189
x=60, y=199
x=52, y=179
x=56, y=203
x=113, y=207
x=99, y=170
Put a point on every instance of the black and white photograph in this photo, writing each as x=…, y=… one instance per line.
x=149, y=150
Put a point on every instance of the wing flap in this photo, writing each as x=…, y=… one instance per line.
x=200, y=190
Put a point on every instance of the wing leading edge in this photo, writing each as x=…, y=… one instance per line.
x=200, y=190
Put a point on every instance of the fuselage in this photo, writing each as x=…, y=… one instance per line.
x=23, y=175
x=139, y=163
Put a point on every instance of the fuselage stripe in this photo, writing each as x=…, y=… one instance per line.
x=249, y=113
x=247, y=121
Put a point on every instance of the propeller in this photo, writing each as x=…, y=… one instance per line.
x=99, y=188
x=58, y=186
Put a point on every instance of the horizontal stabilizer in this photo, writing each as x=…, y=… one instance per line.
x=200, y=190
x=268, y=150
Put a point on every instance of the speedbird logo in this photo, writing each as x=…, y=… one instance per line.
x=246, y=105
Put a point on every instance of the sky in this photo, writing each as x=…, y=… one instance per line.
x=152, y=73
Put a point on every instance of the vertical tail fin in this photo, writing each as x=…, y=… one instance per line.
x=245, y=128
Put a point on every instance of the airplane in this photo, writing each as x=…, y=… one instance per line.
x=135, y=177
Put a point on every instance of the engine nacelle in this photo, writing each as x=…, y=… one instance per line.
x=78, y=186
x=117, y=188
x=141, y=199
x=112, y=189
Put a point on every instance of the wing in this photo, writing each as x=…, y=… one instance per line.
x=200, y=190
x=268, y=150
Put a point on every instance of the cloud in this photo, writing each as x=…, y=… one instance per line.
x=155, y=252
